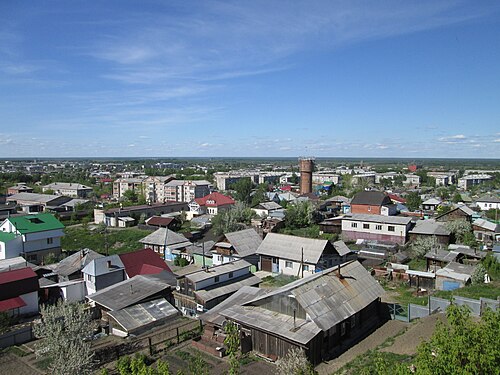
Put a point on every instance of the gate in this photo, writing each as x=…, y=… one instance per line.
x=398, y=312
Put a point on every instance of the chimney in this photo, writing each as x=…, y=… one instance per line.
x=109, y=264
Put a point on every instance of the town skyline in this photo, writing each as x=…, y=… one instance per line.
x=216, y=79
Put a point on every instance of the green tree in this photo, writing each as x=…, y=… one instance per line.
x=295, y=363
x=63, y=333
x=232, y=220
x=300, y=215
x=131, y=196
x=413, y=201
x=461, y=230
x=232, y=343
x=457, y=197
x=259, y=195
x=462, y=346
x=422, y=245
x=243, y=188
x=492, y=214
x=478, y=275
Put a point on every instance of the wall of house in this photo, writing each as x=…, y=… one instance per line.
x=444, y=240
x=74, y=292
x=485, y=206
x=31, y=300
x=440, y=282
x=11, y=249
x=222, y=278
x=295, y=269
x=365, y=209
x=42, y=240
x=454, y=215
x=353, y=230
x=353, y=236
x=198, y=260
x=108, y=279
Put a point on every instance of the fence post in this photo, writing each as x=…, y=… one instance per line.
x=150, y=346
x=409, y=318
x=429, y=303
x=178, y=338
x=201, y=326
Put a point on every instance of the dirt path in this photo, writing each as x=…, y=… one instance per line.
x=389, y=329
x=12, y=364
x=421, y=330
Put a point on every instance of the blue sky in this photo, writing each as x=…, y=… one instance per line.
x=250, y=78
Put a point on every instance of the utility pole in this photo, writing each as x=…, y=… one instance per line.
x=302, y=262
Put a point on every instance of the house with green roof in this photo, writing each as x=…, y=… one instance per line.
x=32, y=237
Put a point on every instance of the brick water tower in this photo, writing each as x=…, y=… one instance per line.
x=306, y=168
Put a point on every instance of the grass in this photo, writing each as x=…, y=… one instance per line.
x=491, y=291
x=309, y=232
x=406, y=296
x=277, y=281
x=119, y=241
x=418, y=264
x=367, y=362
x=16, y=350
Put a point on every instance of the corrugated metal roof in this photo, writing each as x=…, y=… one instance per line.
x=441, y=255
x=341, y=248
x=218, y=270
x=76, y=262
x=143, y=314
x=290, y=247
x=228, y=288
x=245, y=242
x=100, y=266
x=128, y=292
x=379, y=219
x=456, y=271
x=327, y=299
x=430, y=227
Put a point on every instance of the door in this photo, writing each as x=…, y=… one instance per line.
x=266, y=264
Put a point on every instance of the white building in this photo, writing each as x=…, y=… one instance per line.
x=467, y=182
x=68, y=189
x=488, y=202
x=375, y=227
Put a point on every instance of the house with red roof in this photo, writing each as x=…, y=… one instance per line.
x=19, y=292
x=211, y=204
x=143, y=262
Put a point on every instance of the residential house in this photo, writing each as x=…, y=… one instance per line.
x=186, y=190
x=431, y=204
x=70, y=268
x=363, y=178
x=103, y=272
x=7, y=210
x=296, y=256
x=486, y=231
x=19, y=188
x=372, y=203
x=201, y=290
x=265, y=209
x=430, y=228
x=441, y=178
x=19, y=292
x=338, y=203
x=332, y=225
x=31, y=236
x=438, y=258
x=143, y=262
x=461, y=212
x=469, y=181
x=33, y=203
x=412, y=180
x=322, y=314
x=68, y=189
x=375, y=227
x=488, y=202
x=121, y=185
x=210, y=204
x=232, y=246
x=166, y=243
x=162, y=222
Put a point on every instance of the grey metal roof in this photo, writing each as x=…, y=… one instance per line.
x=245, y=242
x=218, y=270
x=456, y=271
x=128, y=292
x=290, y=247
x=158, y=238
x=144, y=314
x=268, y=206
x=488, y=198
x=373, y=198
x=76, y=262
x=341, y=248
x=99, y=266
x=487, y=225
x=34, y=197
x=441, y=255
x=14, y=264
x=431, y=201
x=228, y=288
x=198, y=248
x=244, y=294
x=67, y=186
x=327, y=299
x=430, y=227
x=379, y=219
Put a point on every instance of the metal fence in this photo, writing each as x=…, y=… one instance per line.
x=17, y=336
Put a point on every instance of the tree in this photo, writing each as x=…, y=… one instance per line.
x=233, y=219
x=413, y=201
x=295, y=363
x=443, y=193
x=300, y=215
x=232, y=343
x=422, y=245
x=259, y=195
x=138, y=366
x=462, y=346
x=461, y=230
x=492, y=214
x=243, y=188
x=457, y=197
x=63, y=332
x=130, y=195
x=478, y=275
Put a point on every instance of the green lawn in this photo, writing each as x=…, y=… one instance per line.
x=277, y=281
x=119, y=241
x=491, y=291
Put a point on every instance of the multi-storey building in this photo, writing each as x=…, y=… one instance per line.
x=185, y=190
x=68, y=189
x=121, y=185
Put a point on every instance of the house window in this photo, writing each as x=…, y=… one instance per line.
x=288, y=264
x=354, y=225
x=216, y=279
x=391, y=228
x=230, y=274
x=50, y=241
x=305, y=267
x=366, y=226
x=378, y=227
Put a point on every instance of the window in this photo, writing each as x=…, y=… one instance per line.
x=378, y=227
x=50, y=241
x=230, y=274
x=216, y=279
x=288, y=264
x=391, y=228
x=305, y=267
x=354, y=225
x=366, y=226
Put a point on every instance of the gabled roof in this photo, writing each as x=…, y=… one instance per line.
x=441, y=255
x=222, y=269
x=16, y=275
x=430, y=227
x=160, y=221
x=245, y=242
x=76, y=262
x=158, y=238
x=372, y=198
x=35, y=223
x=466, y=210
x=143, y=262
x=67, y=186
x=456, y=271
x=341, y=248
x=17, y=282
x=396, y=198
x=488, y=225
x=489, y=198
x=432, y=201
x=40, y=198
x=268, y=206
x=290, y=247
x=327, y=297
x=215, y=199
x=14, y=264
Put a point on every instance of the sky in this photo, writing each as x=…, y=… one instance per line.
x=253, y=78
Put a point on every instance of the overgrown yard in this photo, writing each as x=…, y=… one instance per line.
x=277, y=281
x=119, y=240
